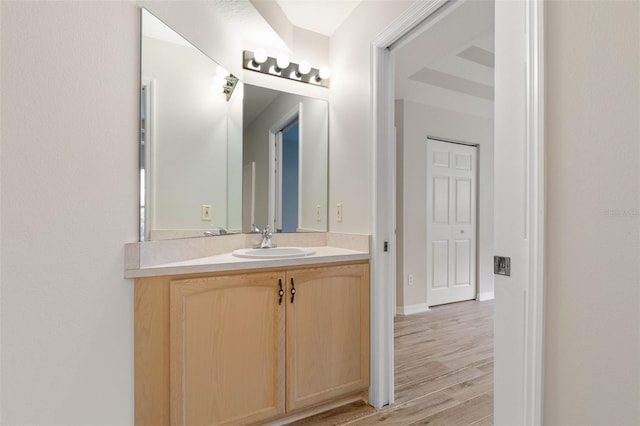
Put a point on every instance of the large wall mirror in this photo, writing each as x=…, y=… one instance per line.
x=213, y=163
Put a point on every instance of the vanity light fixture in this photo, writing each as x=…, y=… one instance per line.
x=230, y=85
x=282, y=67
x=224, y=82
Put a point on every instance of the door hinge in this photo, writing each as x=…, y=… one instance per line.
x=386, y=246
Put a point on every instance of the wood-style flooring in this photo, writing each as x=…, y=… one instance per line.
x=443, y=372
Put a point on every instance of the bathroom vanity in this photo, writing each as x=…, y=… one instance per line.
x=223, y=340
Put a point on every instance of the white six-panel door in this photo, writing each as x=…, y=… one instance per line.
x=451, y=222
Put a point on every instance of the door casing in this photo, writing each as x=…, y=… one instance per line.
x=382, y=204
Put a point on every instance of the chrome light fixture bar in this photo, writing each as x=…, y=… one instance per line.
x=229, y=85
x=281, y=67
x=224, y=82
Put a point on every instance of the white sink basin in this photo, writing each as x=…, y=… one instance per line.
x=273, y=253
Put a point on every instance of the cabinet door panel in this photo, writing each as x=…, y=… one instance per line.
x=327, y=334
x=227, y=362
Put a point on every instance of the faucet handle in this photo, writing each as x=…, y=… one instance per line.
x=255, y=229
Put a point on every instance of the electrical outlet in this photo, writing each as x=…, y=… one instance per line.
x=205, y=212
x=339, y=212
x=319, y=213
x=410, y=279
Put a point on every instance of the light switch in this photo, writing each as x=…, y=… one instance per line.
x=205, y=212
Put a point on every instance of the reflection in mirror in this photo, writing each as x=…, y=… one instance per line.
x=191, y=140
x=205, y=157
x=285, y=154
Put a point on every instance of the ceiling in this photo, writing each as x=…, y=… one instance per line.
x=450, y=62
x=322, y=17
x=243, y=18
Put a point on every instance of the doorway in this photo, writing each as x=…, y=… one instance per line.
x=519, y=197
x=443, y=95
x=284, y=172
x=288, y=177
x=147, y=147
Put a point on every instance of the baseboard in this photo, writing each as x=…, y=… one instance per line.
x=488, y=295
x=412, y=309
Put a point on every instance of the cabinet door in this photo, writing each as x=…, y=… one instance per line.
x=227, y=357
x=327, y=333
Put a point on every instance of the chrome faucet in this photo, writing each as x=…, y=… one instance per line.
x=255, y=229
x=266, y=238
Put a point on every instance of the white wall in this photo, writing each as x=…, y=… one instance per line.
x=314, y=167
x=69, y=171
x=592, y=354
x=234, y=159
x=350, y=106
x=417, y=122
x=189, y=165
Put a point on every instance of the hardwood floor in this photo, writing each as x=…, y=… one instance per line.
x=443, y=372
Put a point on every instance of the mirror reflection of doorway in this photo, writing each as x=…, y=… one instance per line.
x=143, y=155
x=147, y=142
x=288, y=176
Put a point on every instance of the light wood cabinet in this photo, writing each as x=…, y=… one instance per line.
x=227, y=363
x=327, y=334
x=222, y=349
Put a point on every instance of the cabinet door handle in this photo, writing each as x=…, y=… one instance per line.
x=280, y=292
x=293, y=290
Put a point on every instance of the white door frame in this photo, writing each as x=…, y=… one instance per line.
x=383, y=209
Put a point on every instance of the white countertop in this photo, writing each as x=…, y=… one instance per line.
x=229, y=262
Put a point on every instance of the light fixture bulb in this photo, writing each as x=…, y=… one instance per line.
x=282, y=62
x=304, y=68
x=325, y=73
x=260, y=56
